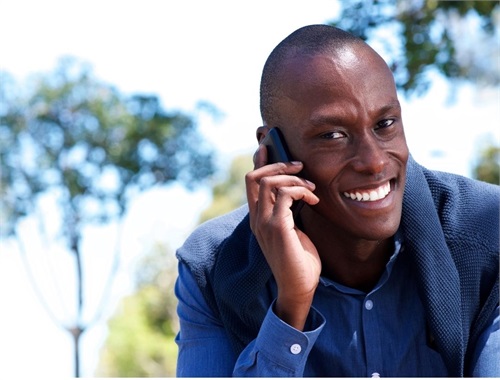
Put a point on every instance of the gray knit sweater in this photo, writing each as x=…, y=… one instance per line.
x=450, y=227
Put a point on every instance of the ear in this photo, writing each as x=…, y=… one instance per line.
x=262, y=132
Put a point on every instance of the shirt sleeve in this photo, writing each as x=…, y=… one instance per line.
x=279, y=349
x=205, y=350
x=487, y=352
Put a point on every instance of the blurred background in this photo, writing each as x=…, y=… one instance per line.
x=124, y=124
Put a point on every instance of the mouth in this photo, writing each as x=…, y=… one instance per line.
x=369, y=195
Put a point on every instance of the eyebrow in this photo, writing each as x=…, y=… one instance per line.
x=334, y=119
x=325, y=119
x=393, y=105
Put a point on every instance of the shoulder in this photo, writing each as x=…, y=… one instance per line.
x=200, y=247
x=467, y=207
x=461, y=203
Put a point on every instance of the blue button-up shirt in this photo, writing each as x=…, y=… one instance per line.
x=348, y=333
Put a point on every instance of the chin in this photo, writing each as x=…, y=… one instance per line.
x=378, y=233
x=378, y=228
x=358, y=227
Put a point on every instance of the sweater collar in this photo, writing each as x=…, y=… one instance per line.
x=438, y=277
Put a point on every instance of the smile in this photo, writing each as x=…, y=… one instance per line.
x=370, y=195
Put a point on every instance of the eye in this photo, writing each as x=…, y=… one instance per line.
x=385, y=123
x=332, y=135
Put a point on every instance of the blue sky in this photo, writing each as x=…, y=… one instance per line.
x=186, y=52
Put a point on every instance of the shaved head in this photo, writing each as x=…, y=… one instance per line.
x=308, y=40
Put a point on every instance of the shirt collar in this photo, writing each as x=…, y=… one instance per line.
x=398, y=248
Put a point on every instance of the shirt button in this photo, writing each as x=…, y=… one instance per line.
x=295, y=349
x=369, y=305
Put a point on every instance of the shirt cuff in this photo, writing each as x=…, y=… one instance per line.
x=286, y=346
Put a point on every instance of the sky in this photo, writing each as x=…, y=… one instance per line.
x=186, y=52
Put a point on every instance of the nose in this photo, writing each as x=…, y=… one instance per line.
x=369, y=156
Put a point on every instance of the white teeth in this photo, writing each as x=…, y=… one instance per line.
x=371, y=195
x=381, y=192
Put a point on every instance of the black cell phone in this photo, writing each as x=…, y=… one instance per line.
x=277, y=151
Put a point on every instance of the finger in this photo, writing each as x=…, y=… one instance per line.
x=275, y=182
x=277, y=193
x=253, y=179
x=264, y=189
x=286, y=196
x=274, y=209
x=277, y=168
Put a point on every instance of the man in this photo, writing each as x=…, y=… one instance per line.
x=389, y=269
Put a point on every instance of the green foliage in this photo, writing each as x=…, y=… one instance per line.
x=141, y=334
x=429, y=34
x=140, y=343
x=81, y=142
x=488, y=167
x=140, y=340
x=95, y=147
x=231, y=192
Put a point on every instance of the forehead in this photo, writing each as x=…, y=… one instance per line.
x=354, y=77
x=356, y=64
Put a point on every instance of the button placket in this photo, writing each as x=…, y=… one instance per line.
x=371, y=332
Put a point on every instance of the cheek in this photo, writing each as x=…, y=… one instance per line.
x=405, y=153
x=325, y=177
x=320, y=170
x=400, y=147
x=324, y=169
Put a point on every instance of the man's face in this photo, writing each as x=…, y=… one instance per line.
x=341, y=117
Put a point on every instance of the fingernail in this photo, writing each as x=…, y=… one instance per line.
x=310, y=183
x=296, y=162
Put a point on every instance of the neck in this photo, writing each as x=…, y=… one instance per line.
x=352, y=261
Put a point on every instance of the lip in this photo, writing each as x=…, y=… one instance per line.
x=370, y=192
x=370, y=196
x=374, y=205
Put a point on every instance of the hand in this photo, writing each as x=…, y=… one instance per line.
x=292, y=257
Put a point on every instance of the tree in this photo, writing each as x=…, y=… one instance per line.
x=80, y=142
x=488, y=167
x=230, y=193
x=140, y=340
x=428, y=35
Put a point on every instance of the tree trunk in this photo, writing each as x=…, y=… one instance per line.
x=76, y=332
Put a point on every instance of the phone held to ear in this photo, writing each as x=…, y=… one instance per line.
x=277, y=151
